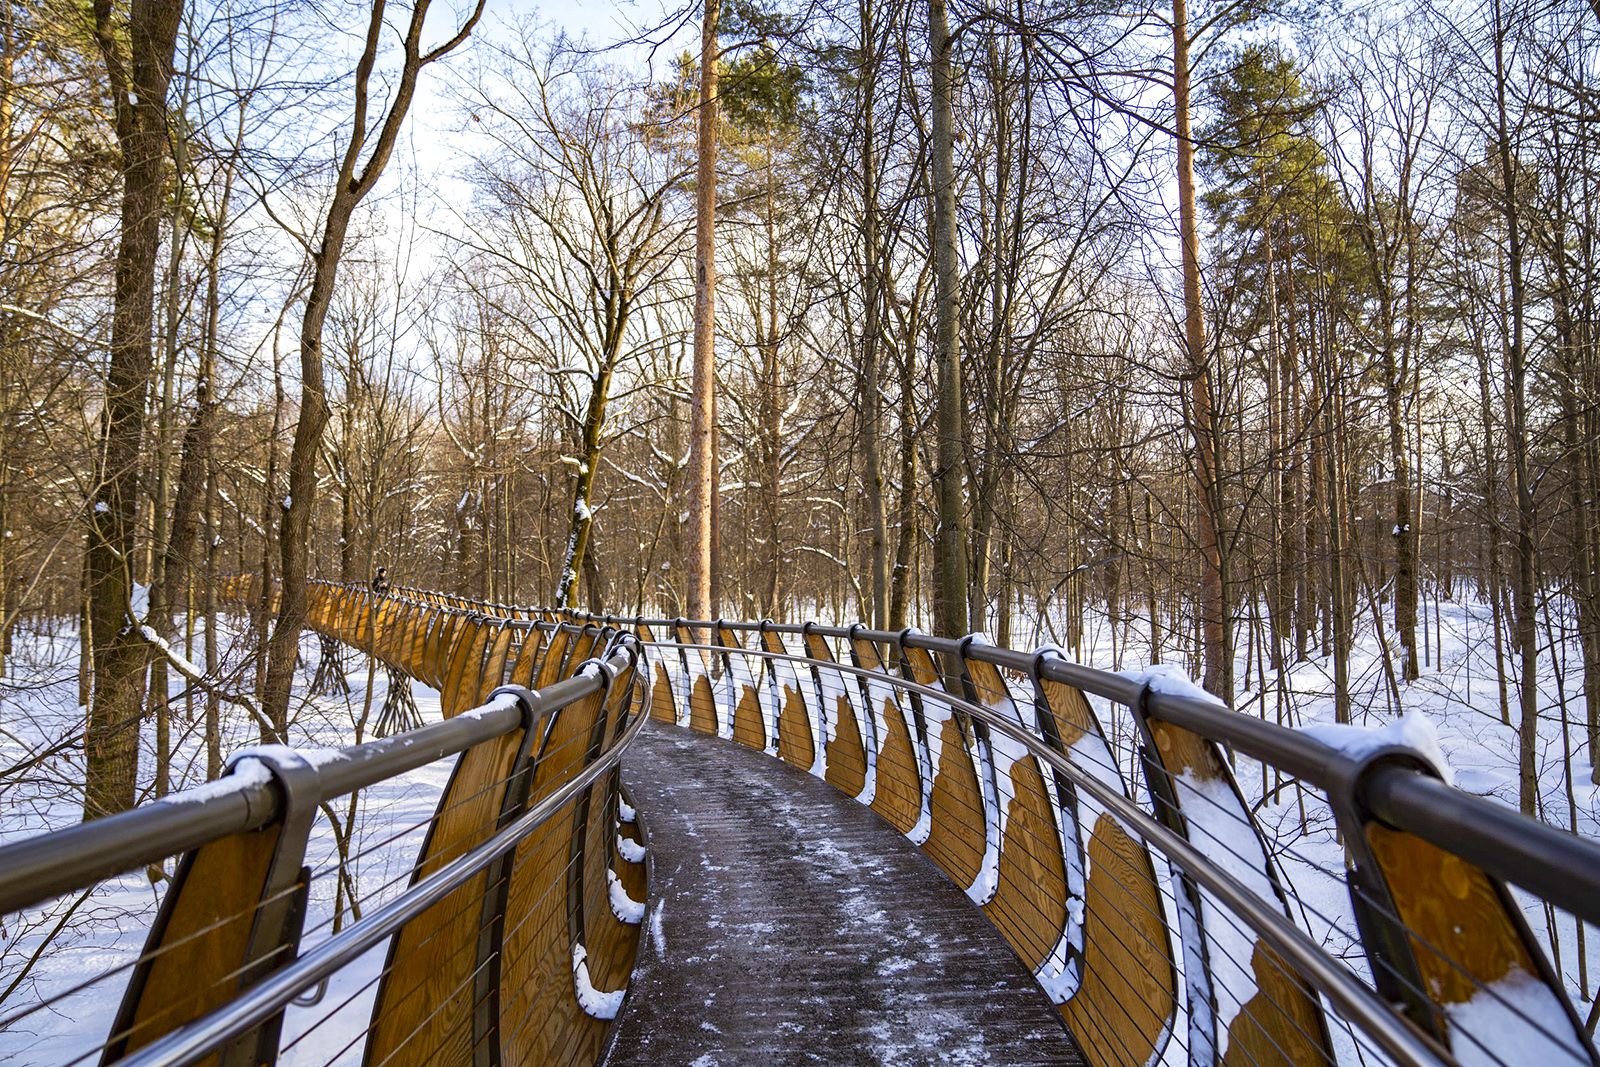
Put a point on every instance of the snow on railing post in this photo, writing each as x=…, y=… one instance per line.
x=955, y=834
x=247, y=891
x=982, y=749
x=1446, y=941
x=1242, y=994
x=687, y=677
x=1038, y=899
x=699, y=698
x=1113, y=973
x=926, y=764
x=869, y=699
x=769, y=694
x=602, y=921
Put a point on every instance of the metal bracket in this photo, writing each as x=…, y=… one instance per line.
x=279, y=921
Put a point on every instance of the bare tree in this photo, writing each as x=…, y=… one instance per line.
x=138, y=74
x=359, y=170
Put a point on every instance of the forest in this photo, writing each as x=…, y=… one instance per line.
x=1255, y=338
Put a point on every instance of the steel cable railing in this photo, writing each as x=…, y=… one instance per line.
x=262, y=1000
x=1431, y=838
x=1095, y=818
x=522, y=839
x=1443, y=951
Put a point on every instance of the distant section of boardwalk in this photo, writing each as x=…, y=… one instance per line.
x=789, y=924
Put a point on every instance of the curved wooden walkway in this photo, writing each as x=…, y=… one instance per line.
x=789, y=924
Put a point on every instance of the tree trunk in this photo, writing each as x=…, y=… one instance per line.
x=355, y=180
x=138, y=85
x=1212, y=605
x=594, y=422
x=871, y=406
x=1525, y=581
x=702, y=485
x=950, y=614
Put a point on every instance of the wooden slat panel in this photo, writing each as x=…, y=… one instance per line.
x=1464, y=935
x=1282, y=1023
x=1030, y=901
x=955, y=839
x=540, y=1019
x=527, y=658
x=193, y=975
x=748, y=727
x=663, y=702
x=494, y=667
x=702, y=705
x=898, y=797
x=795, y=743
x=423, y=1009
x=610, y=942
x=1127, y=998
x=846, y=751
x=460, y=690
x=555, y=659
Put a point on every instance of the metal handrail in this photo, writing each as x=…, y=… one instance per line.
x=269, y=996
x=38, y=868
x=1389, y=787
x=1560, y=866
x=1360, y=1004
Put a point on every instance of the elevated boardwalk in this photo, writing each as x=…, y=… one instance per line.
x=974, y=870
x=790, y=924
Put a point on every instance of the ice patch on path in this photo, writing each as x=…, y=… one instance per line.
x=593, y=1001
x=658, y=937
x=1171, y=680
x=1516, y=1020
x=1413, y=730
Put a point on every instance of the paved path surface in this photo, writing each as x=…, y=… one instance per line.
x=789, y=924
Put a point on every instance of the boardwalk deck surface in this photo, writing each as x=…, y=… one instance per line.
x=789, y=924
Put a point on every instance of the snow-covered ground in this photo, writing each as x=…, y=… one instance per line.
x=1456, y=701
x=105, y=930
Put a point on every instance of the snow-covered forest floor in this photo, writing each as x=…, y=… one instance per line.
x=1457, y=698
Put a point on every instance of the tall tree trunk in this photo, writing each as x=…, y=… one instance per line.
x=1218, y=654
x=950, y=613
x=138, y=81
x=593, y=430
x=1395, y=377
x=1524, y=585
x=702, y=485
x=871, y=406
x=161, y=598
x=354, y=181
x=903, y=584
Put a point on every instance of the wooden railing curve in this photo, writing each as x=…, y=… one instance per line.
x=917, y=728
x=521, y=961
x=994, y=762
